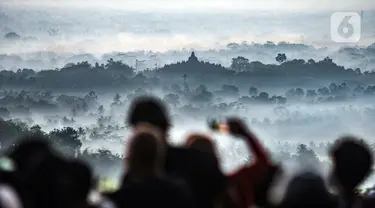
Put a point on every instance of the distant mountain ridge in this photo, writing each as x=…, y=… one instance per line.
x=350, y=57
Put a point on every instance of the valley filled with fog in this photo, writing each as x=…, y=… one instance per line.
x=84, y=113
x=72, y=78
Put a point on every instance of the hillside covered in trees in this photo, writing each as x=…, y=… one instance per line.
x=83, y=76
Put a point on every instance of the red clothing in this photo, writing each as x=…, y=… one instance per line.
x=245, y=179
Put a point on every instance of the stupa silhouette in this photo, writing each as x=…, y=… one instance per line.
x=192, y=57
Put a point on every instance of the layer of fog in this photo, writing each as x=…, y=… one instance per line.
x=312, y=123
x=93, y=35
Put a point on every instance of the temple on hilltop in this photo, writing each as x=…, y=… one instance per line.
x=192, y=57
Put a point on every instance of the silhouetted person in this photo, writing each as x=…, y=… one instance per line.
x=79, y=185
x=198, y=169
x=26, y=156
x=202, y=143
x=307, y=190
x=244, y=181
x=262, y=189
x=60, y=183
x=145, y=185
x=205, y=144
x=49, y=179
x=29, y=153
x=48, y=184
x=352, y=164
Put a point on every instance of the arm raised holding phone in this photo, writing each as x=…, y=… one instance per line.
x=245, y=180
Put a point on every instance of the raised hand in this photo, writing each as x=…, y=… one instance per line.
x=237, y=127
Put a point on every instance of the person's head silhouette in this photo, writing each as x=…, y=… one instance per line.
x=352, y=163
x=29, y=153
x=202, y=143
x=149, y=110
x=307, y=189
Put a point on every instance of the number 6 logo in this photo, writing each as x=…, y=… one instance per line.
x=346, y=27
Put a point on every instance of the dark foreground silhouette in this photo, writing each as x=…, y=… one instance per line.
x=158, y=174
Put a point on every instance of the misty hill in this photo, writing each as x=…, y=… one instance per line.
x=12, y=36
x=55, y=57
x=242, y=72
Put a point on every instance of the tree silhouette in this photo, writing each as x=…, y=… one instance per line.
x=311, y=61
x=37, y=131
x=263, y=96
x=311, y=93
x=240, y=63
x=281, y=57
x=359, y=89
x=68, y=139
x=101, y=110
x=299, y=92
x=306, y=156
x=323, y=91
x=333, y=87
x=229, y=90
x=327, y=60
x=93, y=94
x=278, y=100
x=202, y=96
x=116, y=99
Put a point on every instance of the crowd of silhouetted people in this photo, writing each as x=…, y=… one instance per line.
x=158, y=174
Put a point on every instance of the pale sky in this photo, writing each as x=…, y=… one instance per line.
x=92, y=30
x=207, y=5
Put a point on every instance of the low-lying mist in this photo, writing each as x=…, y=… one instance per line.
x=282, y=128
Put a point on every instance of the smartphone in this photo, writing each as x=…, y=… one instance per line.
x=218, y=126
